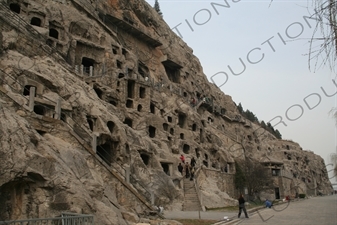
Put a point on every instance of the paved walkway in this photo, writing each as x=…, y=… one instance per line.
x=317, y=210
x=210, y=215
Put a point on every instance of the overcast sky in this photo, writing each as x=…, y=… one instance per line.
x=272, y=41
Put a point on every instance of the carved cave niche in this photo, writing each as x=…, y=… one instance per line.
x=54, y=33
x=172, y=70
x=15, y=7
x=129, y=103
x=128, y=121
x=91, y=122
x=119, y=64
x=165, y=126
x=106, y=148
x=197, y=152
x=89, y=56
x=142, y=92
x=27, y=89
x=98, y=91
x=43, y=110
x=186, y=148
x=131, y=88
x=115, y=49
x=152, y=132
x=146, y=157
x=124, y=52
x=111, y=126
x=17, y=199
x=182, y=120
x=182, y=136
x=87, y=63
x=64, y=116
x=143, y=70
x=120, y=75
x=139, y=108
x=112, y=101
x=167, y=167
x=36, y=21
x=194, y=127
x=231, y=167
x=152, y=108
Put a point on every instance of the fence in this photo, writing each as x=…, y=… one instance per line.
x=64, y=219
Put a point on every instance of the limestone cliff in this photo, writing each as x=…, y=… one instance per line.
x=98, y=101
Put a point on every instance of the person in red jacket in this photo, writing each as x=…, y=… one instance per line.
x=182, y=158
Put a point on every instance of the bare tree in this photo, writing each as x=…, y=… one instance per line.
x=252, y=175
x=325, y=12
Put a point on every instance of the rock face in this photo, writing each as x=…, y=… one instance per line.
x=98, y=101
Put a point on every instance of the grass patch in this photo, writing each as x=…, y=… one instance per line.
x=223, y=209
x=196, y=221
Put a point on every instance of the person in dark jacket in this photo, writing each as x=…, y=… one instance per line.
x=180, y=168
x=193, y=162
x=242, y=206
x=187, y=170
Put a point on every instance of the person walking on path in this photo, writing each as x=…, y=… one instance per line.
x=193, y=162
x=192, y=171
x=187, y=170
x=242, y=206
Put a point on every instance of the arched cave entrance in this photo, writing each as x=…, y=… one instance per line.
x=15, y=8
x=53, y=33
x=36, y=21
x=40, y=110
x=106, y=148
x=166, y=168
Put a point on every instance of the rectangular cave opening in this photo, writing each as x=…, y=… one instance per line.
x=172, y=70
x=131, y=89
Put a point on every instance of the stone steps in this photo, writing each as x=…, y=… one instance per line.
x=191, y=199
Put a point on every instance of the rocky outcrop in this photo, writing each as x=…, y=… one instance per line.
x=100, y=98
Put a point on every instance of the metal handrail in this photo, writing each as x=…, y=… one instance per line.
x=65, y=219
x=196, y=175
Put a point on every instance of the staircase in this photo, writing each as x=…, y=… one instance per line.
x=191, y=199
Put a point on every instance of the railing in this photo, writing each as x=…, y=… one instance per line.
x=14, y=20
x=65, y=219
x=197, y=172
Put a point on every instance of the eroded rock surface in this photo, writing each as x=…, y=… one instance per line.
x=98, y=101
